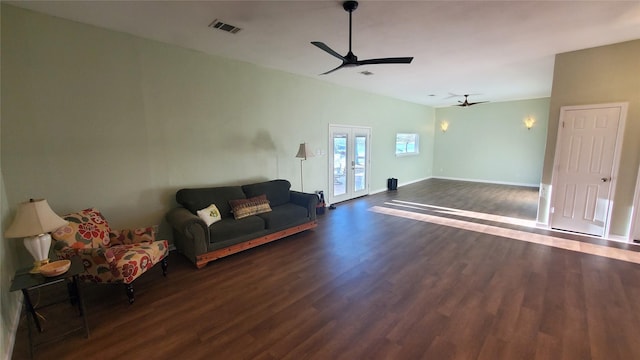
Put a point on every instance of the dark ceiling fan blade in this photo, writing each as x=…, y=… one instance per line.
x=350, y=60
x=395, y=60
x=324, y=47
x=332, y=70
x=466, y=102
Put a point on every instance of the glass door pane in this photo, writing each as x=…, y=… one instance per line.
x=360, y=163
x=339, y=164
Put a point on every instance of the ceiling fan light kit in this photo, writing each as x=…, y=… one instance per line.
x=351, y=60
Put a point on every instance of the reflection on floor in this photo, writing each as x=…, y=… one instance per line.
x=521, y=235
x=464, y=213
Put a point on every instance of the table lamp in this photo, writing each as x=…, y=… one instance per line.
x=34, y=220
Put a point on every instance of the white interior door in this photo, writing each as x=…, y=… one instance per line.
x=350, y=162
x=586, y=167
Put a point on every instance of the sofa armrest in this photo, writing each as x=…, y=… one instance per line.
x=191, y=234
x=306, y=200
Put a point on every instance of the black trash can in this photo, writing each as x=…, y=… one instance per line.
x=392, y=184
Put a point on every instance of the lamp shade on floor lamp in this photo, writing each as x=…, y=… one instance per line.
x=303, y=154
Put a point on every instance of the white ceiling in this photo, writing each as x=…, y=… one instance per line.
x=500, y=50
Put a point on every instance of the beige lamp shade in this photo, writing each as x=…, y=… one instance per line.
x=34, y=217
x=304, y=152
x=34, y=220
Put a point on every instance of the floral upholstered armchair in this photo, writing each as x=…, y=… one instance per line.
x=109, y=256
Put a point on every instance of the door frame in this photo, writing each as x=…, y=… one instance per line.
x=616, y=158
x=330, y=197
x=634, y=223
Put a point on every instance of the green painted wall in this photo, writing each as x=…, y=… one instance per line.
x=92, y=117
x=9, y=301
x=599, y=75
x=120, y=122
x=489, y=142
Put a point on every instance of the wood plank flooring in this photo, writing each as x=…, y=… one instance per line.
x=370, y=285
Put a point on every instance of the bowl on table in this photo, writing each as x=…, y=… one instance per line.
x=55, y=268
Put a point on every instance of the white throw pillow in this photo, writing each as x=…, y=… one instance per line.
x=210, y=214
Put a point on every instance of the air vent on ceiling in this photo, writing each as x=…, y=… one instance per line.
x=366, y=72
x=217, y=24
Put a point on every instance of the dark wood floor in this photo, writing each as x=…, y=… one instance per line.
x=365, y=285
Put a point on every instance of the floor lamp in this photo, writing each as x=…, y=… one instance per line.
x=303, y=154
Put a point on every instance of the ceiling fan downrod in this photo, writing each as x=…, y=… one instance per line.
x=350, y=6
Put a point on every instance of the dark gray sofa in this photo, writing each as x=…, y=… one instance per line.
x=291, y=212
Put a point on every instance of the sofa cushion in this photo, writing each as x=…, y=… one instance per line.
x=196, y=199
x=243, y=208
x=277, y=191
x=230, y=228
x=285, y=216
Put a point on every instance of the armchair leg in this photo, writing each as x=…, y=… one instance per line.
x=129, y=289
x=164, y=265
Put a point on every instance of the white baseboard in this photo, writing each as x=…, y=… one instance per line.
x=487, y=181
x=399, y=185
x=620, y=238
x=414, y=181
x=542, y=225
x=615, y=238
x=377, y=191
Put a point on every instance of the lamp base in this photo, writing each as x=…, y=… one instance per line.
x=38, y=246
x=37, y=264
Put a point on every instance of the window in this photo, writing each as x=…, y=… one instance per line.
x=407, y=144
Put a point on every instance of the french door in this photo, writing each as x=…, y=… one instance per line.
x=349, y=162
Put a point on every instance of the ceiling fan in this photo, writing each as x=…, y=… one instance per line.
x=466, y=102
x=350, y=60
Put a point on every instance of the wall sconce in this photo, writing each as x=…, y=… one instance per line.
x=444, y=125
x=528, y=122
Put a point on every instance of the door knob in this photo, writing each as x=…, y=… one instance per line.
x=604, y=179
